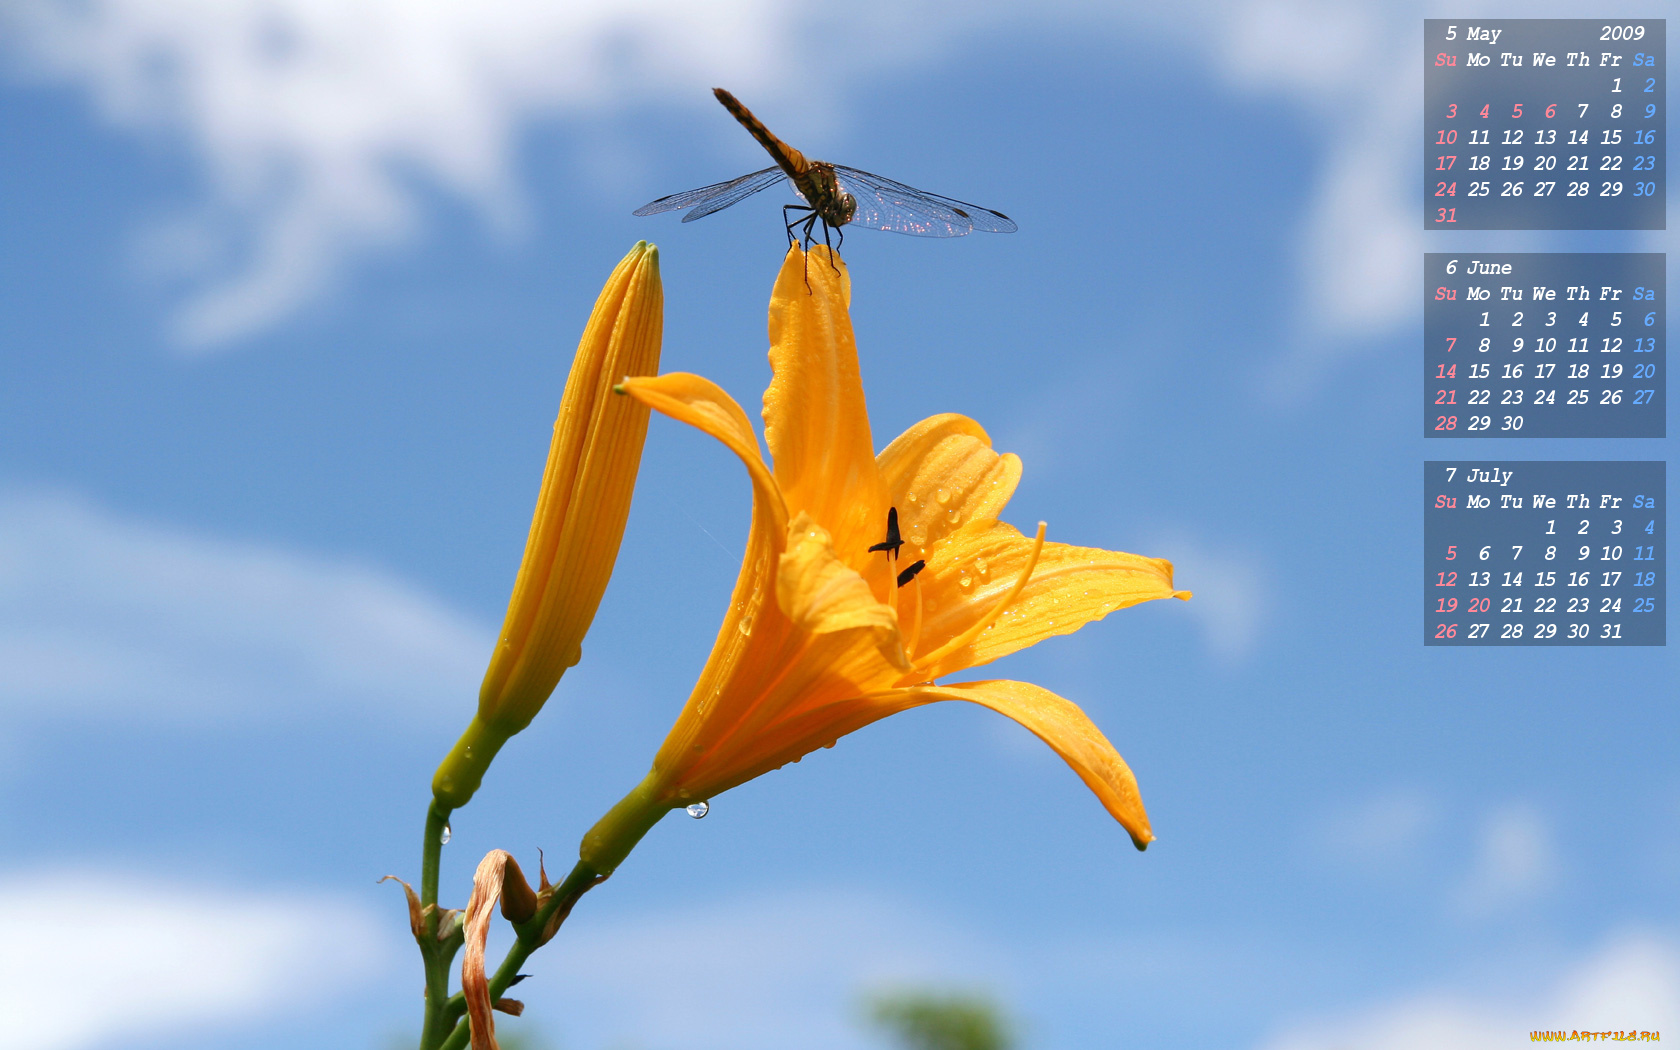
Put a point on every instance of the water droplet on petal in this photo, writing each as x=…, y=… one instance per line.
x=443, y=839
x=967, y=580
x=910, y=497
x=918, y=536
x=953, y=516
x=745, y=626
x=942, y=495
x=698, y=809
x=980, y=566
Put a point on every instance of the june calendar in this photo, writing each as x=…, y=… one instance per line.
x=1545, y=123
x=1539, y=345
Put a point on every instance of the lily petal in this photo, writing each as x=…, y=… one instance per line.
x=1069, y=588
x=584, y=500
x=815, y=421
x=754, y=639
x=821, y=594
x=491, y=881
x=704, y=405
x=577, y=525
x=1059, y=723
x=942, y=475
x=809, y=701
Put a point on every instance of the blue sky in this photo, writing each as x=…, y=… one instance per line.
x=290, y=292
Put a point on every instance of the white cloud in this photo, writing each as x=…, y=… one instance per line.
x=91, y=956
x=315, y=118
x=1230, y=593
x=1516, y=860
x=104, y=614
x=1380, y=833
x=1632, y=983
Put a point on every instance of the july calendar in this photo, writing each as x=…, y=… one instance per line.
x=1544, y=553
x=1544, y=123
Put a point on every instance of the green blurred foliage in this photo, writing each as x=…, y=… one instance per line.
x=924, y=1020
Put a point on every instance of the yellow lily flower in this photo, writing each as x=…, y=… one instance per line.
x=830, y=628
x=578, y=523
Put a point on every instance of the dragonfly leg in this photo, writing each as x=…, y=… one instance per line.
x=805, y=236
x=790, y=225
x=809, y=234
x=833, y=247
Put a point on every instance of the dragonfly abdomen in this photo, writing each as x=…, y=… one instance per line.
x=786, y=157
x=813, y=178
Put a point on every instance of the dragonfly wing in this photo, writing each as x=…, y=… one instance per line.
x=714, y=197
x=758, y=180
x=883, y=204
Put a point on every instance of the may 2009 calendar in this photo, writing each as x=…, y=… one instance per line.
x=1544, y=123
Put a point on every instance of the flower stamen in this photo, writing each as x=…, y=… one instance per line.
x=910, y=573
x=987, y=620
x=893, y=541
x=891, y=545
x=915, y=638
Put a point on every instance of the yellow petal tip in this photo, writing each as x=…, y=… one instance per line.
x=1184, y=596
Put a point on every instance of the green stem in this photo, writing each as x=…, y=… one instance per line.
x=430, y=854
x=529, y=937
x=437, y=819
x=603, y=849
x=435, y=953
x=462, y=770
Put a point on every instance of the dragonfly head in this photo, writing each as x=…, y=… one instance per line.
x=848, y=207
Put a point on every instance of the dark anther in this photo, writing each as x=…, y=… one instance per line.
x=892, y=542
x=909, y=574
x=517, y=978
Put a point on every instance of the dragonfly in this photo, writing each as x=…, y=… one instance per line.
x=833, y=195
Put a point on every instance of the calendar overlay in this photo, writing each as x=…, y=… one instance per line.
x=1544, y=345
x=1545, y=124
x=1544, y=553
